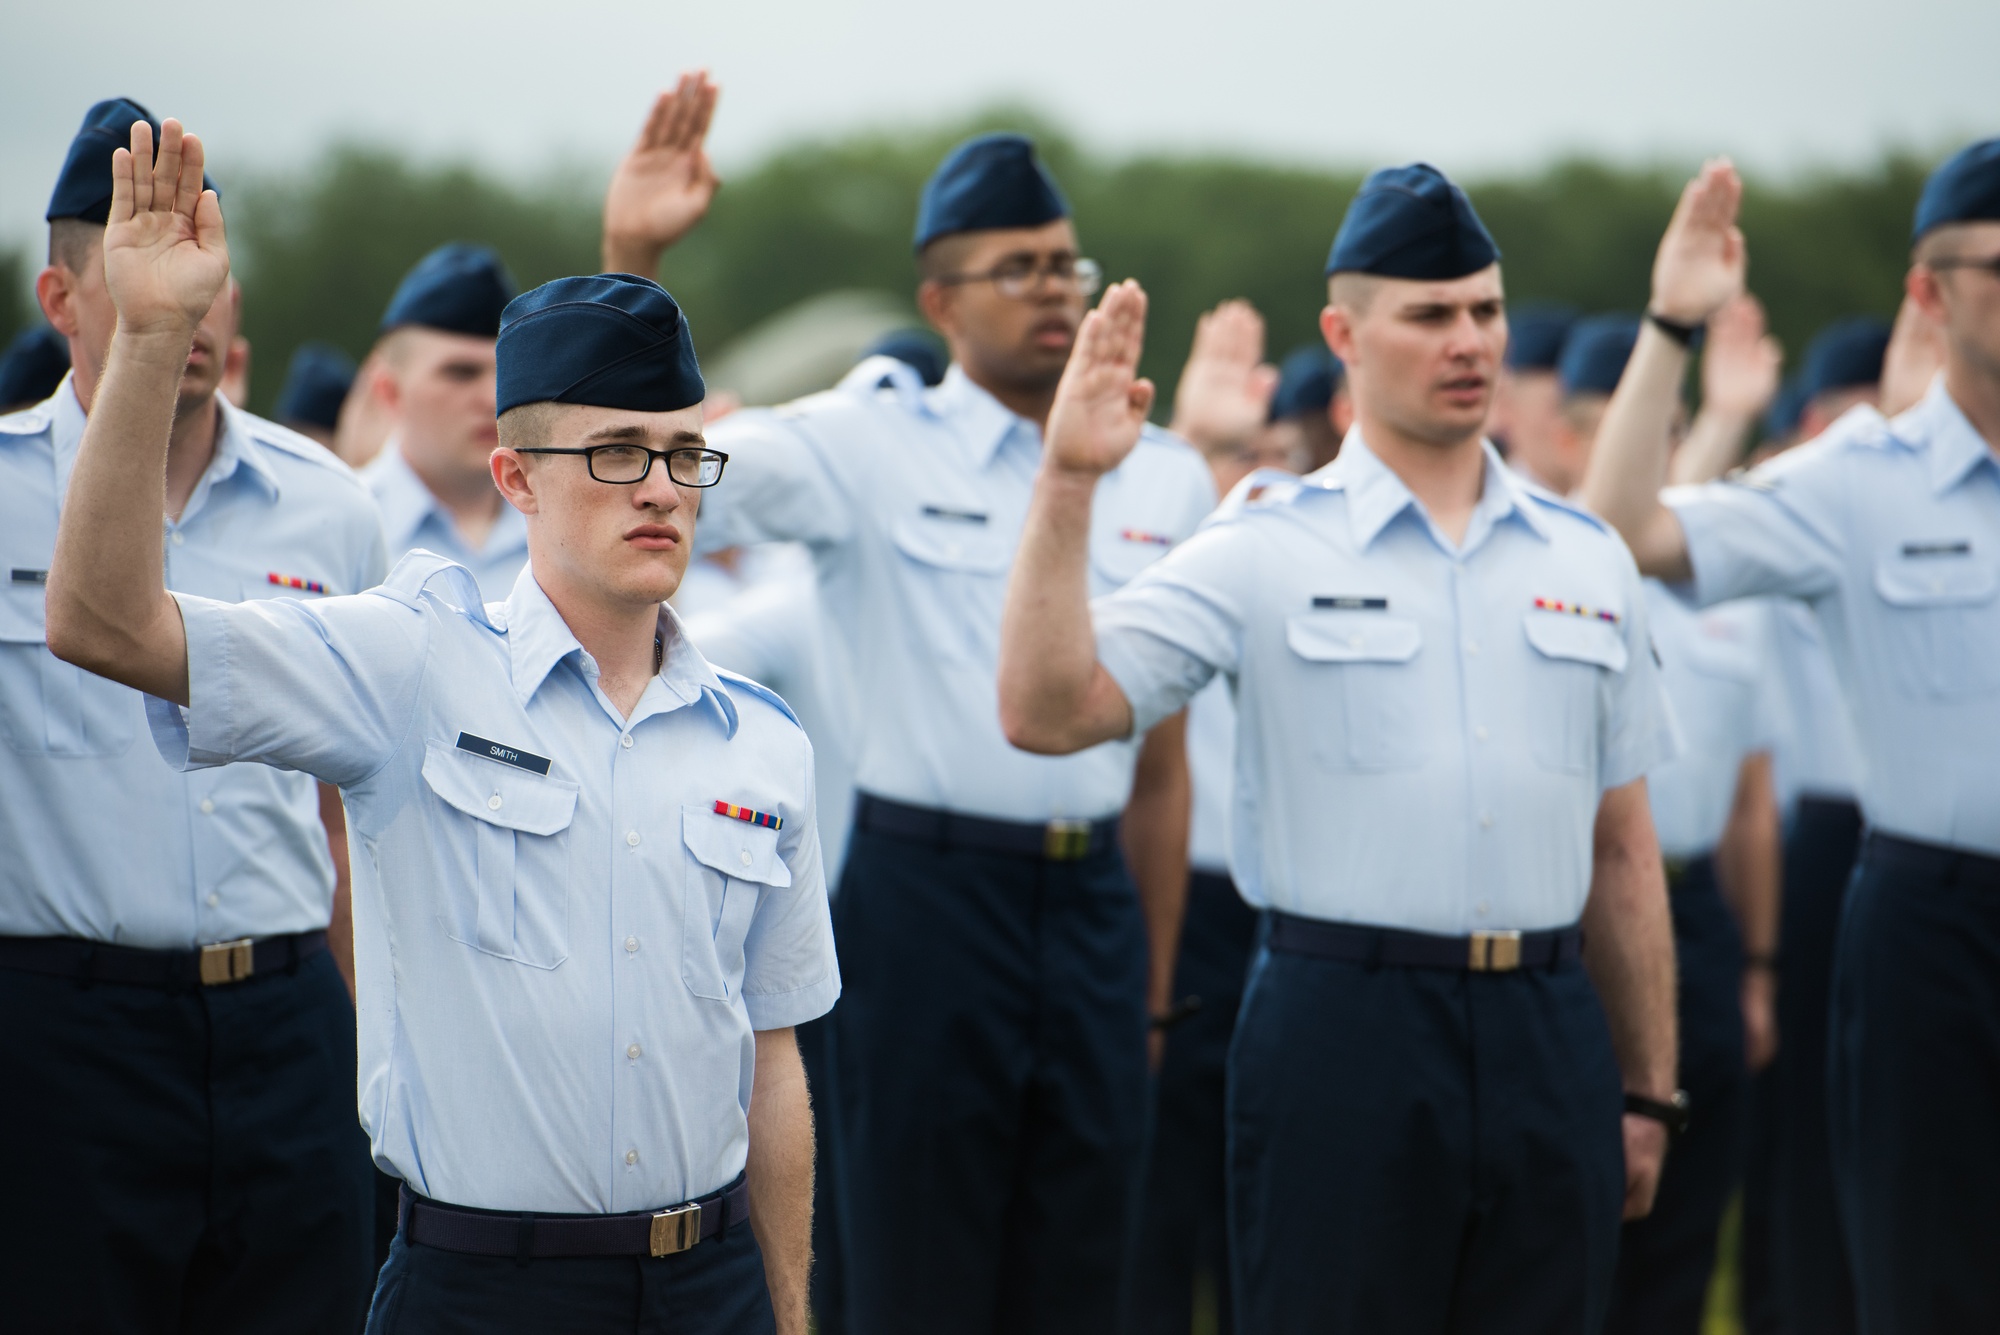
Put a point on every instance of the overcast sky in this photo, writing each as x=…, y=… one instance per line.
x=1474, y=85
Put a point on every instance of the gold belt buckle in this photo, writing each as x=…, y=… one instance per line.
x=1066, y=840
x=676, y=1230
x=226, y=962
x=1495, y=952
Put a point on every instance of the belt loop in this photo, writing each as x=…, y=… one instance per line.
x=524, y=1248
x=405, y=1204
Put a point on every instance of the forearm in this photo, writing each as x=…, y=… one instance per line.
x=1629, y=952
x=1055, y=698
x=1628, y=464
x=1714, y=445
x=1155, y=832
x=1750, y=858
x=780, y=1173
x=108, y=607
x=633, y=255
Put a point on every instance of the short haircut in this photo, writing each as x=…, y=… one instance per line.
x=527, y=427
x=1939, y=243
x=1353, y=292
x=946, y=255
x=75, y=245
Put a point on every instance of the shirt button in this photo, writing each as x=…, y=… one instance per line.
x=1480, y=908
x=633, y=1052
x=1480, y=732
x=1472, y=646
x=1485, y=820
x=631, y=945
x=626, y=741
x=632, y=838
x=493, y=802
x=208, y=806
x=746, y=857
x=213, y=899
x=177, y=539
x=631, y=1156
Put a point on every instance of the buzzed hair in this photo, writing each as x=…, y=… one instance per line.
x=1937, y=243
x=75, y=245
x=527, y=427
x=944, y=256
x=1352, y=291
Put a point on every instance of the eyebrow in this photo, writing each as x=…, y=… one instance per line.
x=632, y=433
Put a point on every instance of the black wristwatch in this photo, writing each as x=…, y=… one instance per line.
x=1672, y=1114
x=1680, y=333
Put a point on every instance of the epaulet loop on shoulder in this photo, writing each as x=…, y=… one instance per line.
x=418, y=571
x=737, y=681
x=1548, y=500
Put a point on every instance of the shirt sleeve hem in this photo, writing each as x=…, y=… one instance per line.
x=783, y=1010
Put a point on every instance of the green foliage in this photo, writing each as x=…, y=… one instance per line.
x=321, y=251
x=17, y=301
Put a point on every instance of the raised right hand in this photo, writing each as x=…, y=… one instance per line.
x=663, y=187
x=165, y=256
x=1225, y=389
x=1701, y=260
x=1741, y=364
x=1101, y=404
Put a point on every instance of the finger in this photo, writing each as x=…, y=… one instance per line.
x=142, y=167
x=121, y=187
x=188, y=190
x=687, y=100
x=167, y=166
x=208, y=230
x=656, y=119
x=1140, y=398
x=710, y=95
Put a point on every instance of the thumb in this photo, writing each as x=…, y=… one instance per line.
x=208, y=229
x=1140, y=398
x=1264, y=383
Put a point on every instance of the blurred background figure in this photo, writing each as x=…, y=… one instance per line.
x=33, y=365
x=1309, y=416
x=317, y=384
x=1842, y=368
x=1527, y=408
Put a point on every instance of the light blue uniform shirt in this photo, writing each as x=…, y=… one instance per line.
x=1892, y=532
x=912, y=502
x=1419, y=745
x=771, y=630
x=1816, y=753
x=1211, y=752
x=561, y=948
x=100, y=839
x=413, y=519
x=1717, y=670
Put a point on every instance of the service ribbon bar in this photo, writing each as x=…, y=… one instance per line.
x=1574, y=609
x=762, y=818
x=294, y=582
x=1140, y=535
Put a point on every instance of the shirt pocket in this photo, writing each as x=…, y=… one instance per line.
x=1576, y=656
x=49, y=707
x=945, y=540
x=730, y=864
x=1941, y=632
x=1366, y=662
x=505, y=855
x=1119, y=552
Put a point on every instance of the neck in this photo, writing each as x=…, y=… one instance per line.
x=1446, y=479
x=473, y=502
x=619, y=636
x=1032, y=402
x=1977, y=394
x=190, y=443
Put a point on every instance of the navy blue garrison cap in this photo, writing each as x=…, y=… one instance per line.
x=1535, y=335
x=316, y=384
x=1845, y=355
x=1595, y=353
x=1781, y=419
x=1965, y=189
x=612, y=341
x=33, y=365
x=1411, y=222
x=915, y=348
x=988, y=182
x=1307, y=381
x=459, y=288
x=83, y=190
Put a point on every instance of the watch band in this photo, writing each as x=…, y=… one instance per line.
x=1682, y=334
x=1671, y=1113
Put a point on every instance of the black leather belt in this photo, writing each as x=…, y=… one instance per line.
x=453, y=1228
x=102, y=962
x=1053, y=841
x=1482, y=952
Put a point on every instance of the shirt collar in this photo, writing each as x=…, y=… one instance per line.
x=1939, y=427
x=401, y=495
x=982, y=421
x=235, y=447
x=538, y=639
x=1375, y=495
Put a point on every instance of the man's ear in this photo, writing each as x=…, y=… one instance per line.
x=54, y=287
x=1336, y=326
x=1925, y=289
x=935, y=303
x=512, y=478
x=383, y=386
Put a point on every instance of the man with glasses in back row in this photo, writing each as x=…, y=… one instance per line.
x=991, y=1048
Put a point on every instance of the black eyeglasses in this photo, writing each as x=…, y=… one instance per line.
x=1019, y=275
x=1991, y=264
x=625, y=465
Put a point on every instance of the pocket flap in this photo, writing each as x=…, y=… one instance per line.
x=1581, y=639
x=733, y=847
x=952, y=544
x=1935, y=581
x=498, y=794
x=23, y=613
x=1353, y=637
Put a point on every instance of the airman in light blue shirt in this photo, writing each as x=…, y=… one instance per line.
x=414, y=518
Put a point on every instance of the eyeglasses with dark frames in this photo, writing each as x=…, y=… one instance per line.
x=628, y=465
x=1019, y=275
x=1991, y=263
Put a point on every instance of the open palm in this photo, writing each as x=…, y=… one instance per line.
x=664, y=186
x=1225, y=389
x=1101, y=404
x=165, y=256
x=1701, y=261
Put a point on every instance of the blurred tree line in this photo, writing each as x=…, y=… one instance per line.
x=320, y=250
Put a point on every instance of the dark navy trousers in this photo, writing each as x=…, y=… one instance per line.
x=1914, y=1084
x=716, y=1288
x=1181, y=1224
x=1419, y=1151
x=1813, y=1281
x=1665, y=1260
x=182, y=1160
x=829, y=1296
x=991, y=1050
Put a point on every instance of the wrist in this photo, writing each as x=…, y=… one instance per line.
x=638, y=255
x=1670, y=1111
x=1679, y=327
